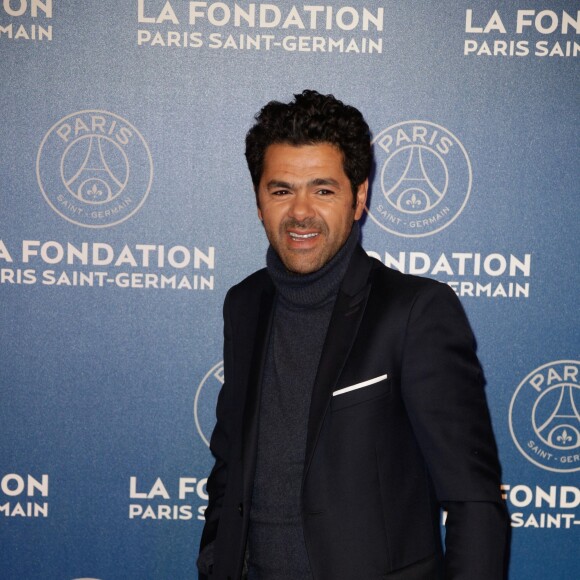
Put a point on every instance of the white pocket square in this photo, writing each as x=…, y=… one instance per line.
x=359, y=385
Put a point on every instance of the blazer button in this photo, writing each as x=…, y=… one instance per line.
x=241, y=509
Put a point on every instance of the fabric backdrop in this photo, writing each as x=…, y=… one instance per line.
x=126, y=212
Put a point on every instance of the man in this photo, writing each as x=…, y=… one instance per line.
x=353, y=405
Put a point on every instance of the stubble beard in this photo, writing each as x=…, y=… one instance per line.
x=299, y=261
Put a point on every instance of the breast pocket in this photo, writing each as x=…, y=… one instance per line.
x=362, y=392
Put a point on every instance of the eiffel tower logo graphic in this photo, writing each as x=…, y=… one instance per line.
x=414, y=191
x=561, y=429
x=94, y=181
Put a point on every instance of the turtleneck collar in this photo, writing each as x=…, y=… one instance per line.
x=317, y=288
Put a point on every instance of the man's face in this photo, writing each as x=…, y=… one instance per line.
x=306, y=203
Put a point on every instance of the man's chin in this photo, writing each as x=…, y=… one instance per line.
x=301, y=267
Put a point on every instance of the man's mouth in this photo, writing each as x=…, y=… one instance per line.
x=296, y=236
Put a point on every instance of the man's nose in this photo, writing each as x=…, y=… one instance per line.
x=301, y=206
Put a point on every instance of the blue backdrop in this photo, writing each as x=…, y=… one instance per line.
x=126, y=212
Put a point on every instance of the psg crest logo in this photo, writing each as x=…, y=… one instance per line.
x=206, y=401
x=544, y=416
x=94, y=169
x=423, y=177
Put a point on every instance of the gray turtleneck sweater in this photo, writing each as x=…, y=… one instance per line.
x=277, y=550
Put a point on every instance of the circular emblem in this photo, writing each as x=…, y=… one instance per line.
x=424, y=174
x=544, y=416
x=94, y=169
x=205, y=401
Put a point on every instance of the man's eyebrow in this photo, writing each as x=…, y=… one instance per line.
x=276, y=183
x=324, y=181
x=317, y=182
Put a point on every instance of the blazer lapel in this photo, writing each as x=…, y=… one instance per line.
x=342, y=331
x=252, y=403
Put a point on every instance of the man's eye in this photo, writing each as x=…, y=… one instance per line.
x=325, y=192
x=280, y=192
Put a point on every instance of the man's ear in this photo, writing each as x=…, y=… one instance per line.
x=361, y=199
x=260, y=216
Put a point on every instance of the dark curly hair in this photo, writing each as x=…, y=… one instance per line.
x=310, y=119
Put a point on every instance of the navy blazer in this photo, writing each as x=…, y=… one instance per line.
x=412, y=435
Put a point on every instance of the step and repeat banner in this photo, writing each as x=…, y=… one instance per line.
x=126, y=212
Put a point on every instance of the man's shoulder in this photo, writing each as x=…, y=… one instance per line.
x=251, y=287
x=393, y=289
x=403, y=282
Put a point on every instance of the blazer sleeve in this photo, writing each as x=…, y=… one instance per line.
x=443, y=389
x=219, y=446
x=476, y=541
